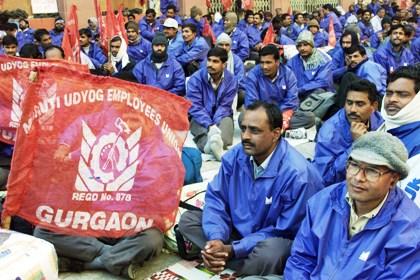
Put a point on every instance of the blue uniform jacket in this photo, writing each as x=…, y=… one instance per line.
x=375, y=42
x=387, y=248
x=292, y=31
x=374, y=73
x=333, y=146
x=139, y=50
x=321, y=39
x=317, y=78
x=165, y=3
x=282, y=92
x=175, y=45
x=96, y=55
x=56, y=38
x=254, y=35
x=240, y=43
x=169, y=77
x=218, y=28
x=209, y=107
x=415, y=49
x=284, y=40
x=366, y=31
x=147, y=30
x=374, y=7
x=196, y=51
x=338, y=64
x=409, y=134
x=25, y=37
x=386, y=57
x=338, y=28
x=273, y=205
x=198, y=24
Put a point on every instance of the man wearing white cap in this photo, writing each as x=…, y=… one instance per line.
x=234, y=64
x=170, y=29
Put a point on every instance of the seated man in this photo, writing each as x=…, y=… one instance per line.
x=313, y=67
x=148, y=25
x=138, y=48
x=272, y=82
x=10, y=45
x=365, y=227
x=320, y=36
x=43, y=39
x=193, y=51
x=26, y=34
x=339, y=67
x=401, y=113
x=94, y=52
x=337, y=134
x=254, y=206
x=240, y=42
x=57, y=32
x=394, y=54
x=175, y=41
x=120, y=65
x=159, y=69
x=234, y=64
x=211, y=91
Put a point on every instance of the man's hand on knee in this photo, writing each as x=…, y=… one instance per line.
x=216, y=254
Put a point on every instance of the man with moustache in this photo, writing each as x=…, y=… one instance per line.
x=254, y=206
x=338, y=67
x=337, y=134
x=138, y=47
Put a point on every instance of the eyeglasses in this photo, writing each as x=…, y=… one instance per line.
x=371, y=174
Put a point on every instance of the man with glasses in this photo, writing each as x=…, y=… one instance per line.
x=365, y=227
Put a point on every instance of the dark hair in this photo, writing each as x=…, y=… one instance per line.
x=30, y=51
x=131, y=15
x=328, y=7
x=52, y=47
x=386, y=20
x=296, y=15
x=274, y=116
x=150, y=11
x=10, y=26
x=39, y=33
x=354, y=37
x=412, y=20
x=132, y=25
x=259, y=14
x=85, y=31
x=410, y=72
x=9, y=40
x=248, y=13
x=171, y=7
x=363, y=85
x=366, y=11
x=270, y=50
x=356, y=48
x=25, y=20
x=284, y=16
x=191, y=26
x=396, y=18
x=268, y=14
x=218, y=52
x=58, y=18
x=276, y=20
x=409, y=30
x=116, y=39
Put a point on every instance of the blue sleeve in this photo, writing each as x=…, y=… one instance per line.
x=239, y=69
x=138, y=73
x=195, y=53
x=197, y=110
x=224, y=107
x=250, y=85
x=379, y=58
x=253, y=36
x=303, y=258
x=374, y=41
x=99, y=55
x=217, y=224
x=376, y=76
x=144, y=31
x=338, y=69
x=243, y=47
x=179, y=80
x=291, y=100
x=292, y=213
x=323, y=79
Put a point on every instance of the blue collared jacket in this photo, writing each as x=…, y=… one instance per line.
x=175, y=45
x=196, y=51
x=333, y=146
x=96, y=55
x=210, y=107
x=386, y=57
x=373, y=72
x=338, y=28
x=283, y=91
x=169, y=77
x=273, y=205
x=321, y=39
x=25, y=37
x=139, y=50
x=56, y=38
x=292, y=31
x=240, y=43
x=147, y=30
x=387, y=248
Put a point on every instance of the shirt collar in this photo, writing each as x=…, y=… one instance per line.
x=211, y=81
x=277, y=75
x=370, y=214
x=263, y=166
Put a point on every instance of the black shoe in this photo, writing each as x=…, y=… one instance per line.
x=69, y=265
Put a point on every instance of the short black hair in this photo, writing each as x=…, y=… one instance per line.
x=39, y=33
x=274, y=115
x=10, y=26
x=116, y=39
x=353, y=35
x=150, y=11
x=356, y=48
x=296, y=15
x=328, y=7
x=85, y=31
x=284, y=16
x=30, y=51
x=270, y=50
x=395, y=27
x=410, y=72
x=191, y=26
x=366, y=11
x=132, y=25
x=52, y=47
x=9, y=40
x=276, y=20
x=259, y=14
x=171, y=7
x=248, y=13
x=25, y=20
x=362, y=85
x=218, y=52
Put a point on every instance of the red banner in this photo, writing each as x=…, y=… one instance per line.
x=227, y=4
x=14, y=82
x=101, y=22
x=97, y=156
x=270, y=36
x=70, y=42
x=208, y=31
x=331, y=33
x=247, y=5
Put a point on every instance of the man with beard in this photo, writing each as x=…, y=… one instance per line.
x=240, y=42
x=366, y=28
x=148, y=25
x=43, y=39
x=120, y=65
x=337, y=134
x=26, y=34
x=138, y=47
x=211, y=91
x=394, y=54
x=289, y=29
x=401, y=113
x=57, y=32
x=92, y=50
x=339, y=67
x=254, y=205
x=160, y=70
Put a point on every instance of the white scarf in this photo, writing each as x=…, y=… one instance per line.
x=409, y=114
x=121, y=56
x=230, y=65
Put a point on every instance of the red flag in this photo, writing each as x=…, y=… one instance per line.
x=247, y=5
x=270, y=36
x=14, y=82
x=208, y=4
x=121, y=23
x=403, y=4
x=227, y=4
x=289, y=11
x=208, y=31
x=101, y=23
x=113, y=26
x=97, y=156
x=70, y=42
x=142, y=2
x=331, y=33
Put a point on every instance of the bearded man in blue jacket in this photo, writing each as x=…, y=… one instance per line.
x=334, y=139
x=254, y=206
x=364, y=228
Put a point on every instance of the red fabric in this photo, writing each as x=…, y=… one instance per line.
x=289, y=11
x=208, y=4
x=122, y=172
x=287, y=116
x=14, y=82
x=101, y=22
x=247, y=5
x=114, y=25
x=142, y=2
x=208, y=31
x=270, y=36
x=403, y=4
x=227, y=4
x=121, y=23
x=70, y=42
x=331, y=33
